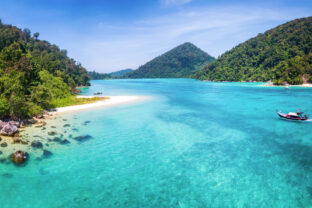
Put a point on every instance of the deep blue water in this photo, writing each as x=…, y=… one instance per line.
x=191, y=144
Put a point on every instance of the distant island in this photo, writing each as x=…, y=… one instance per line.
x=282, y=55
x=113, y=75
x=180, y=62
x=121, y=73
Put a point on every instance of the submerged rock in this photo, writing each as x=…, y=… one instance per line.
x=2, y=159
x=16, y=140
x=9, y=130
x=19, y=157
x=24, y=142
x=83, y=138
x=53, y=127
x=86, y=123
x=65, y=141
x=43, y=172
x=51, y=133
x=56, y=139
x=0, y=139
x=46, y=154
x=7, y=175
x=4, y=144
x=36, y=144
x=66, y=125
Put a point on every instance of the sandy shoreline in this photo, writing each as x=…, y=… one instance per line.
x=39, y=131
x=268, y=84
x=111, y=101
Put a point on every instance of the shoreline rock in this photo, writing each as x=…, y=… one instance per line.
x=19, y=157
x=9, y=129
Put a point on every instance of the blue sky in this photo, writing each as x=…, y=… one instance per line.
x=111, y=35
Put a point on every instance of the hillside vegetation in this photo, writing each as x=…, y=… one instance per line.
x=113, y=75
x=121, y=73
x=179, y=62
x=34, y=73
x=98, y=76
x=282, y=54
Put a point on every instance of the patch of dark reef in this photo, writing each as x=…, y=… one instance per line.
x=82, y=138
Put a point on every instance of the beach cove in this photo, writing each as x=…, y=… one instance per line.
x=53, y=127
x=190, y=144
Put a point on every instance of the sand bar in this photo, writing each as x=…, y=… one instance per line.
x=111, y=101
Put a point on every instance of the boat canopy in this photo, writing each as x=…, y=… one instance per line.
x=292, y=114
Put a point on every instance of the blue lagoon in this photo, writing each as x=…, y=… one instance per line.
x=191, y=144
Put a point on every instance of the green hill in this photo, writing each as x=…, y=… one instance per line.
x=121, y=73
x=34, y=73
x=98, y=76
x=282, y=54
x=181, y=61
x=113, y=75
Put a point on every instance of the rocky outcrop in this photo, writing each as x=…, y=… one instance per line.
x=9, y=129
x=2, y=123
x=15, y=123
x=4, y=144
x=19, y=157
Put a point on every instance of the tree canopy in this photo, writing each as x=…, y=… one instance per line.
x=33, y=73
x=282, y=55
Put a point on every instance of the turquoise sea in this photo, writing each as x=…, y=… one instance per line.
x=191, y=144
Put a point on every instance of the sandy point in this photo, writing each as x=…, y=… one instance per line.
x=111, y=101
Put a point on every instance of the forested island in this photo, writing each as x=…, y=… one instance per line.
x=35, y=75
x=282, y=55
x=113, y=75
x=180, y=62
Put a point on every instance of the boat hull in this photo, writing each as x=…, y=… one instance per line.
x=288, y=117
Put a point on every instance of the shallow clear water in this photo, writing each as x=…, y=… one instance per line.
x=192, y=144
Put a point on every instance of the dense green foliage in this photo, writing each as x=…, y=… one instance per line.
x=97, y=76
x=181, y=61
x=34, y=73
x=113, y=75
x=121, y=73
x=282, y=54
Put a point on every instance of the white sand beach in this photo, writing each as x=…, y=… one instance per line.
x=270, y=84
x=111, y=101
